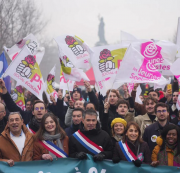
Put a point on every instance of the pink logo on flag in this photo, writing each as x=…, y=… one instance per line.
x=152, y=55
x=151, y=52
x=147, y=70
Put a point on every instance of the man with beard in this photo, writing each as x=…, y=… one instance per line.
x=77, y=115
x=154, y=130
x=173, y=111
x=90, y=139
x=32, y=117
x=145, y=120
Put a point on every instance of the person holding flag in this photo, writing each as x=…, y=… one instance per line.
x=50, y=140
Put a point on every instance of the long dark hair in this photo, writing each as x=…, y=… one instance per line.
x=40, y=132
x=164, y=133
x=139, y=139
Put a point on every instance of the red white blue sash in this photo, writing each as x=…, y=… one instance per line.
x=127, y=151
x=58, y=152
x=87, y=143
x=30, y=129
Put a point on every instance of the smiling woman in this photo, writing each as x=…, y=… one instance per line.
x=132, y=148
x=50, y=140
x=167, y=151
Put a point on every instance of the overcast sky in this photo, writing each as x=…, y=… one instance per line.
x=144, y=19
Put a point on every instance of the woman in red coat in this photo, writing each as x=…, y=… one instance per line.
x=50, y=140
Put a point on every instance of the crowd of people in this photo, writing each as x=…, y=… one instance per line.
x=114, y=127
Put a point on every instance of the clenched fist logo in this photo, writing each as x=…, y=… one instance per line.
x=23, y=70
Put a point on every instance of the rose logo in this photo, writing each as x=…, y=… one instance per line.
x=105, y=61
x=150, y=51
x=17, y=92
x=105, y=55
x=50, y=78
x=29, y=61
x=71, y=41
x=74, y=45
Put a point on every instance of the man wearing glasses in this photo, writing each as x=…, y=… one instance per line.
x=154, y=130
x=38, y=111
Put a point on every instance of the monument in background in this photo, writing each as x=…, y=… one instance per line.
x=102, y=41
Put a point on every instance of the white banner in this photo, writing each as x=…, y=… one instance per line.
x=32, y=45
x=50, y=85
x=75, y=49
x=136, y=69
x=25, y=70
x=105, y=62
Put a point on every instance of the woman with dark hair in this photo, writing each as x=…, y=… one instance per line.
x=167, y=150
x=50, y=140
x=132, y=148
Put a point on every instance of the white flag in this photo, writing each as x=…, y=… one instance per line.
x=75, y=49
x=136, y=69
x=32, y=45
x=25, y=70
x=50, y=85
x=105, y=62
x=71, y=73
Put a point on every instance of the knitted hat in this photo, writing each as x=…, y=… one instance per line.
x=118, y=120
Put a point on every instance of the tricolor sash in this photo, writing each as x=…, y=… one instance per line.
x=58, y=152
x=127, y=151
x=87, y=143
x=30, y=129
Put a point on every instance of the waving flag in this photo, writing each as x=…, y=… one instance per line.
x=25, y=70
x=71, y=73
x=75, y=49
x=3, y=67
x=50, y=85
x=18, y=96
x=32, y=45
x=136, y=69
x=106, y=60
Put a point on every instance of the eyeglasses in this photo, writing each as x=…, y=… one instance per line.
x=1, y=112
x=159, y=111
x=37, y=109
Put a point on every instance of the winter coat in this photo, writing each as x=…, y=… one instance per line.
x=143, y=121
x=9, y=150
x=98, y=136
x=39, y=150
x=144, y=151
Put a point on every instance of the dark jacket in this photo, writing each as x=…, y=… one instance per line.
x=34, y=125
x=3, y=123
x=98, y=136
x=72, y=129
x=12, y=107
x=151, y=133
x=143, y=149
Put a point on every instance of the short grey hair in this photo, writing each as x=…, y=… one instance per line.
x=12, y=113
x=90, y=112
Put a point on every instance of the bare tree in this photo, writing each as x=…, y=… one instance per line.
x=18, y=18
